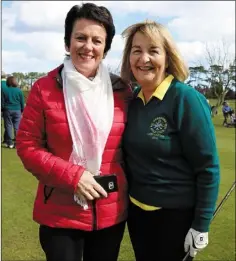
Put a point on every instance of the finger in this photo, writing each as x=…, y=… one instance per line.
x=94, y=193
x=87, y=195
x=186, y=247
x=100, y=190
x=193, y=252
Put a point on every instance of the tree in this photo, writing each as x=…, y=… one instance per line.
x=221, y=70
x=32, y=77
x=20, y=77
x=26, y=80
x=197, y=77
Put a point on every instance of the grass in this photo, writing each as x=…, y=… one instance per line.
x=20, y=233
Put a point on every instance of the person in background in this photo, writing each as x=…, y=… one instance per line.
x=170, y=150
x=232, y=119
x=3, y=89
x=3, y=80
x=226, y=109
x=70, y=138
x=13, y=105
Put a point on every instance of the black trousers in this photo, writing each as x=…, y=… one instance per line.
x=72, y=244
x=226, y=115
x=158, y=235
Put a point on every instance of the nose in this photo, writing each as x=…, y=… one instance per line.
x=88, y=46
x=144, y=57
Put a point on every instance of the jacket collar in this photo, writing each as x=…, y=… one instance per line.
x=56, y=74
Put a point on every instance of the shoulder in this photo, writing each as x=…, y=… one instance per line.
x=4, y=86
x=17, y=90
x=50, y=76
x=117, y=82
x=119, y=86
x=49, y=80
x=4, y=89
x=187, y=99
x=181, y=88
x=187, y=92
x=3, y=83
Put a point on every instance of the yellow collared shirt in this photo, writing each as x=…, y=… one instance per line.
x=160, y=90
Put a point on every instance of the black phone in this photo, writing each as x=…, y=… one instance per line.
x=108, y=182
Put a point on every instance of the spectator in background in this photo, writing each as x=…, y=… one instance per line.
x=226, y=109
x=3, y=80
x=232, y=119
x=3, y=87
x=213, y=109
x=12, y=105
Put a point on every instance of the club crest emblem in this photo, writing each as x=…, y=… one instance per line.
x=158, y=127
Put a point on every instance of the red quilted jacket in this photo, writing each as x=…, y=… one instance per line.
x=44, y=145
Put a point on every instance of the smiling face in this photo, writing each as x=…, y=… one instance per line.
x=147, y=61
x=87, y=44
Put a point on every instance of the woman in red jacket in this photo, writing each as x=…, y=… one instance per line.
x=70, y=136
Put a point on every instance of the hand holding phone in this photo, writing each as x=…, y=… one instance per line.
x=108, y=182
x=89, y=188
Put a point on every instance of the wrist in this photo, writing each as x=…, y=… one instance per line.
x=77, y=177
x=201, y=225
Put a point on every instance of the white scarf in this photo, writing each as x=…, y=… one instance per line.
x=90, y=110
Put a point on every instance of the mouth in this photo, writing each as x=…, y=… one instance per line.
x=86, y=57
x=145, y=68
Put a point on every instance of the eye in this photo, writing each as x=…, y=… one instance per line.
x=155, y=51
x=136, y=51
x=80, y=38
x=98, y=41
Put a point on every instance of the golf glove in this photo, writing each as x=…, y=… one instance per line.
x=195, y=241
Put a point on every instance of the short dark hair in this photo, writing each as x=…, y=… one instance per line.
x=10, y=81
x=93, y=12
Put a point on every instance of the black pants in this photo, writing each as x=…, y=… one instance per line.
x=226, y=115
x=158, y=235
x=71, y=244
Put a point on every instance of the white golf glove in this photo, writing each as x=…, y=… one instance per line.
x=195, y=241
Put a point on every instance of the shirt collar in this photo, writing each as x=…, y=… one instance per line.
x=160, y=90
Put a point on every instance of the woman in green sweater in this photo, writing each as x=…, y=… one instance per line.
x=170, y=149
x=12, y=105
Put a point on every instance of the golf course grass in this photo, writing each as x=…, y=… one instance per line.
x=20, y=233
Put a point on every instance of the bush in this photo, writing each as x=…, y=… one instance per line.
x=26, y=94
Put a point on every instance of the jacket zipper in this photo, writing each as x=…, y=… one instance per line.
x=94, y=214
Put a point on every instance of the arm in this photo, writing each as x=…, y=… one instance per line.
x=2, y=100
x=22, y=101
x=198, y=142
x=31, y=148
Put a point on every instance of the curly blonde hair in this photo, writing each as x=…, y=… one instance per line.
x=154, y=31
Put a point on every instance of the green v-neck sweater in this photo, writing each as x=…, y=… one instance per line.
x=171, y=155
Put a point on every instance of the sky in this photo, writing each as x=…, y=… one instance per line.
x=33, y=31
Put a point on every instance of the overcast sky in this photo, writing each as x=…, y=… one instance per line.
x=33, y=31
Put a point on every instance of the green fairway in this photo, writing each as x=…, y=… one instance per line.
x=20, y=233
